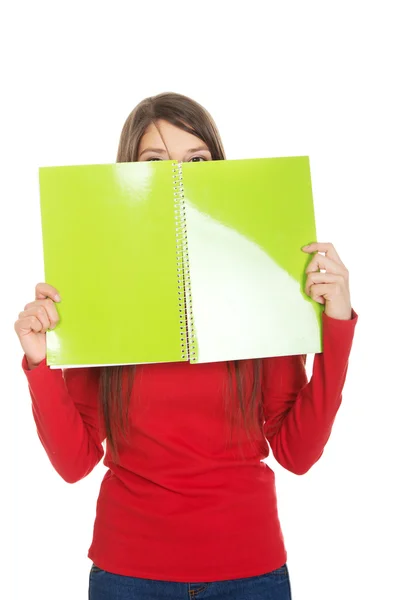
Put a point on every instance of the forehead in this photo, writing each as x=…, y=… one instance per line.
x=167, y=134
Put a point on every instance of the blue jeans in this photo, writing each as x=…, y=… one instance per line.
x=269, y=586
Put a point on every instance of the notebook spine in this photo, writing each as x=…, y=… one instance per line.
x=188, y=345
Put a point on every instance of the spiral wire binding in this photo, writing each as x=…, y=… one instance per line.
x=188, y=346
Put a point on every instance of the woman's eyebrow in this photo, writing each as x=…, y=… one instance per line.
x=197, y=149
x=159, y=150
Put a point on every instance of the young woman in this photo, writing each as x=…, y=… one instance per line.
x=179, y=503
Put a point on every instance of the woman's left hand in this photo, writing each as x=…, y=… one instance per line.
x=332, y=287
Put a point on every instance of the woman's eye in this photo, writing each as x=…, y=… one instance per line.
x=153, y=159
x=197, y=159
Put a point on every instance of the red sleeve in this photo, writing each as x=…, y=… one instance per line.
x=299, y=415
x=65, y=410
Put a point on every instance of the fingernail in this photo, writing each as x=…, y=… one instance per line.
x=57, y=298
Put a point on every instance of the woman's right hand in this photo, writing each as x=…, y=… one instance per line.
x=37, y=317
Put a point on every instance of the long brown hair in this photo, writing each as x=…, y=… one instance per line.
x=185, y=113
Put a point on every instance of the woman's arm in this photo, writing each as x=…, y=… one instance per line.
x=65, y=410
x=299, y=414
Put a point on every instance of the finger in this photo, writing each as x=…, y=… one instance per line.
x=328, y=248
x=317, y=278
x=40, y=313
x=317, y=292
x=45, y=290
x=28, y=324
x=320, y=261
x=50, y=308
x=320, y=292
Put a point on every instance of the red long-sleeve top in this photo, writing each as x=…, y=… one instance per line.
x=183, y=505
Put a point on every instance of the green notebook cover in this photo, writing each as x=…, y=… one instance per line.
x=165, y=261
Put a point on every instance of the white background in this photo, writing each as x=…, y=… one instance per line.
x=280, y=78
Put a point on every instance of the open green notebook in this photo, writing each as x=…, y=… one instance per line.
x=166, y=261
